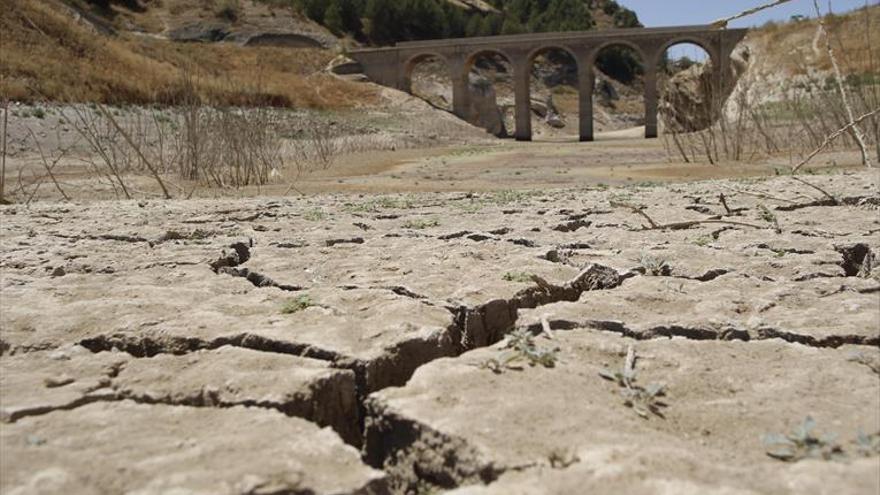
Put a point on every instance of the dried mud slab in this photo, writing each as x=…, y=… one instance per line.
x=648, y=470
x=123, y=447
x=722, y=398
x=39, y=383
x=821, y=312
x=230, y=376
x=69, y=377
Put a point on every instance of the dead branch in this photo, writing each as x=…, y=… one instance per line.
x=136, y=149
x=679, y=225
x=834, y=135
x=49, y=167
x=635, y=209
x=724, y=204
x=854, y=128
x=722, y=23
x=694, y=223
x=823, y=191
x=3, y=151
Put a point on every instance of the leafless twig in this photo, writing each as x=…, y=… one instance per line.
x=635, y=209
x=722, y=23
x=823, y=191
x=3, y=151
x=831, y=137
x=853, y=128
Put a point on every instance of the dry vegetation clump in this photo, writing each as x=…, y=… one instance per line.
x=47, y=55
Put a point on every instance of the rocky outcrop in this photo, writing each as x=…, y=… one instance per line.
x=690, y=101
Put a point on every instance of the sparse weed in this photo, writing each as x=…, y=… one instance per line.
x=868, y=445
x=520, y=277
x=39, y=113
x=314, y=215
x=520, y=346
x=381, y=203
x=703, y=240
x=508, y=197
x=654, y=266
x=297, y=304
x=470, y=207
x=421, y=223
x=643, y=400
x=768, y=216
x=801, y=444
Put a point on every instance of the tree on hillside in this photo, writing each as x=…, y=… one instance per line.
x=333, y=17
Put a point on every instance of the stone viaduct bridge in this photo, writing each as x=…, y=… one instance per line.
x=393, y=66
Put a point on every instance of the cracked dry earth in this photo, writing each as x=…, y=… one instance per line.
x=344, y=344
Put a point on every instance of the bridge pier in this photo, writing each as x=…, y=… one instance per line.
x=650, y=79
x=461, y=91
x=586, y=83
x=521, y=90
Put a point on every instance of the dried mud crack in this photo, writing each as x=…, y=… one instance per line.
x=301, y=366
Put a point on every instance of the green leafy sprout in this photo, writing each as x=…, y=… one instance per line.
x=645, y=401
x=801, y=443
x=520, y=346
x=297, y=304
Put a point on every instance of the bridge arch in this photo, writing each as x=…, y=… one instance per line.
x=560, y=106
x=412, y=62
x=686, y=40
x=594, y=55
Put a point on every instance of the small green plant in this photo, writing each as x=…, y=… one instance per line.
x=768, y=216
x=510, y=196
x=654, y=266
x=520, y=346
x=801, y=444
x=643, y=400
x=381, y=203
x=703, y=240
x=421, y=223
x=868, y=445
x=314, y=215
x=470, y=207
x=39, y=113
x=519, y=277
x=297, y=304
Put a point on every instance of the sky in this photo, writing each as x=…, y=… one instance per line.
x=653, y=13
x=689, y=12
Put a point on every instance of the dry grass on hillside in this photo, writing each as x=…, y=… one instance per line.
x=856, y=37
x=47, y=55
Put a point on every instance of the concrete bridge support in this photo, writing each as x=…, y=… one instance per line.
x=393, y=66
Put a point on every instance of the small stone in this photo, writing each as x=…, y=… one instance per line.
x=59, y=272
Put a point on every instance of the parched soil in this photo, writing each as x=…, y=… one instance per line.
x=355, y=344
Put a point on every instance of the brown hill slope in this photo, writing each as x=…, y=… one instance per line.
x=49, y=51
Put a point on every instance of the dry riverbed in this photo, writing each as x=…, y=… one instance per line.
x=553, y=341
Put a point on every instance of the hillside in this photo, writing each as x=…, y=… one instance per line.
x=790, y=54
x=54, y=50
